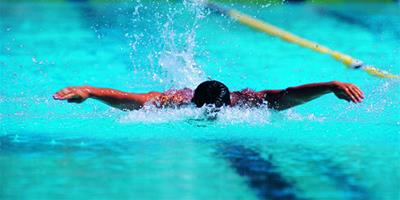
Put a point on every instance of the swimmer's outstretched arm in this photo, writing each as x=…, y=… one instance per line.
x=115, y=98
x=293, y=96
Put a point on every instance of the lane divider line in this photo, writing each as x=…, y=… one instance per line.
x=292, y=38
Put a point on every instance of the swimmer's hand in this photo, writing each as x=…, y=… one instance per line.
x=73, y=94
x=347, y=91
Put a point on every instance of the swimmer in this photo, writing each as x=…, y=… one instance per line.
x=213, y=93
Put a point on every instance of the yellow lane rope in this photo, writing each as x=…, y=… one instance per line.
x=287, y=36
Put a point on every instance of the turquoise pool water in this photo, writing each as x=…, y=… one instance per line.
x=327, y=149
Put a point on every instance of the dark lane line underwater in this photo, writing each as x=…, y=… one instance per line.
x=343, y=181
x=269, y=184
x=261, y=174
x=337, y=174
x=376, y=28
x=327, y=167
x=344, y=18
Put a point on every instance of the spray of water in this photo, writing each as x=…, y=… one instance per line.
x=178, y=60
x=171, y=61
x=178, y=64
x=225, y=116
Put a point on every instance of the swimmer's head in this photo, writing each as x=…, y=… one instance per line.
x=211, y=93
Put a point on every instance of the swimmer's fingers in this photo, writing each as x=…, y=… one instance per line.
x=68, y=96
x=348, y=92
x=63, y=94
x=356, y=94
x=76, y=93
x=353, y=92
x=74, y=98
x=358, y=91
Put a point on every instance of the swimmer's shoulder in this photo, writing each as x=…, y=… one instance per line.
x=174, y=98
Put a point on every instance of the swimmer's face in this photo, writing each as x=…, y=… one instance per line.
x=211, y=93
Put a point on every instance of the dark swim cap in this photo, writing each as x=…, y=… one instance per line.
x=211, y=92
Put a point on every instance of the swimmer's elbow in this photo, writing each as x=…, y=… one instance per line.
x=285, y=99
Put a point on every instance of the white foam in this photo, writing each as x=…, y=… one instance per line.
x=155, y=115
x=295, y=116
x=226, y=115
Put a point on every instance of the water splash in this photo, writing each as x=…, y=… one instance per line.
x=154, y=115
x=171, y=60
x=226, y=115
x=177, y=60
x=295, y=116
x=379, y=102
x=380, y=95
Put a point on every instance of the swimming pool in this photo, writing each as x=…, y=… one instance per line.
x=326, y=149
